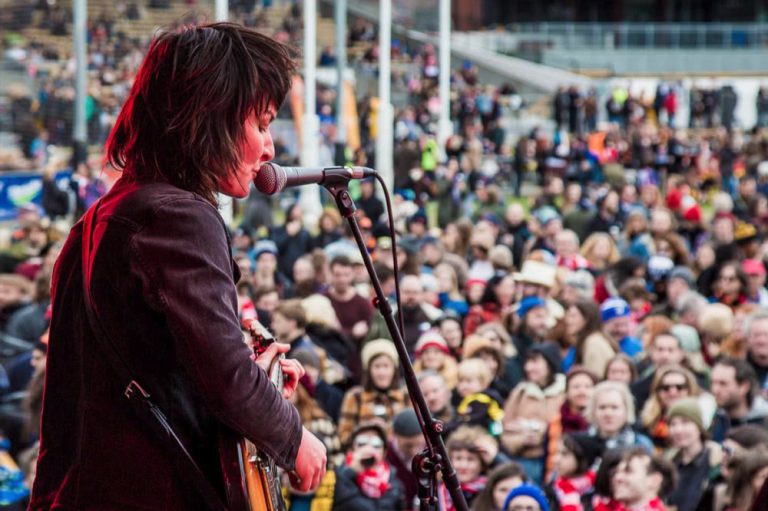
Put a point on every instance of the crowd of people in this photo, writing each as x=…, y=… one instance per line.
x=601, y=344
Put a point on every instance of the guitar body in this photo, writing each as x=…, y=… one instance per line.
x=261, y=482
x=252, y=479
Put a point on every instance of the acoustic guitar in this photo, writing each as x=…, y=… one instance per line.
x=258, y=486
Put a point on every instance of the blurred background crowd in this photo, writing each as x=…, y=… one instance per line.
x=582, y=274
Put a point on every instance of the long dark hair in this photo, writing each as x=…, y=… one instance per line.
x=591, y=313
x=484, y=500
x=183, y=121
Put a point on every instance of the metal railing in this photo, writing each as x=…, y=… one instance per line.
x=637, y=35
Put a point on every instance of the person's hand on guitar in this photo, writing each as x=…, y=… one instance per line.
x=292, y=369
x=310, y=463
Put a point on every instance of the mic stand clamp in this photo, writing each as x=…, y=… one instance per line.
x=435, y=457
x=425, y=467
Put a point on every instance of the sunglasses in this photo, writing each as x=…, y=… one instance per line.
x=375, y=442
x=677, y=386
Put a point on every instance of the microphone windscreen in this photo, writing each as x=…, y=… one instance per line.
x=270, y=179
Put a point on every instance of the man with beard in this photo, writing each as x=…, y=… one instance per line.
x=533, y=325
x=735, y=388
x=418, y=315
x=354, y=311
x=756, y=330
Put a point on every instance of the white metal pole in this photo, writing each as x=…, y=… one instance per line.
x=340, y=15
x=310, y=195
x=385, y=128
x=225, y=202
x=222, y=10
x=444, y=124
x=80, y=135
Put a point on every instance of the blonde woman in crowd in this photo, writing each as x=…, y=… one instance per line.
x=670, y=383
x=600, y=251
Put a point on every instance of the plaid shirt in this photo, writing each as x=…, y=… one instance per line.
x=361, y=405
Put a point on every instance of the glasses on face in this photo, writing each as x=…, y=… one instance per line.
x=669, y=386
x=375, y=442
x=524, y=508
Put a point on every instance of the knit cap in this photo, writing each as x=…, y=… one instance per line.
x=614, y=308
x=379, y=347
x=431, y=339
x=528, y=490
x=689, y=408
x=528, y=303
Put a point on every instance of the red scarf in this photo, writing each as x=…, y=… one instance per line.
x=572, y=422
x=470, y=489
x=654, y=504
x=374, y=481
x=570, y=490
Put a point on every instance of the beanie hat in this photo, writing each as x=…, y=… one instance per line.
x=684, y=273
x=406, y=423
x=264, y=247
x=744, y=232
x=581, y=279
x=546, y=214
x=378, y=347
x=689, y=408
x=431, y=339
x=753, y=267
x=693, y=213
x=659, y=267
x=551, y=353
x=528, y=303
x=528, y=490
x=614, y=308
x=307, y=357
x=688, y=336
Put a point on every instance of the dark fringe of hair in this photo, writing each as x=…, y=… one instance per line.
x=183, y=121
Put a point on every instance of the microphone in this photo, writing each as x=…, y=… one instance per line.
x=272, y=178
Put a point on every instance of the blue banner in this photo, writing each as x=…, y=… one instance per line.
x=20, y=188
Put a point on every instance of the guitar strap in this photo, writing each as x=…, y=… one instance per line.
x=134, y=392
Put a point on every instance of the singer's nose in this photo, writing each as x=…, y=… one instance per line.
x=269, y=147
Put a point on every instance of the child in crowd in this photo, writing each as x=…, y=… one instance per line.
x=466, y=449
x=432, y=352
x=477, y=404
x=574, y=478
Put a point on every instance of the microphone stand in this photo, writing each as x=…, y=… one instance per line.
x=434, y=458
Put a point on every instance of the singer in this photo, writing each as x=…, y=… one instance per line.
x=162, y=283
